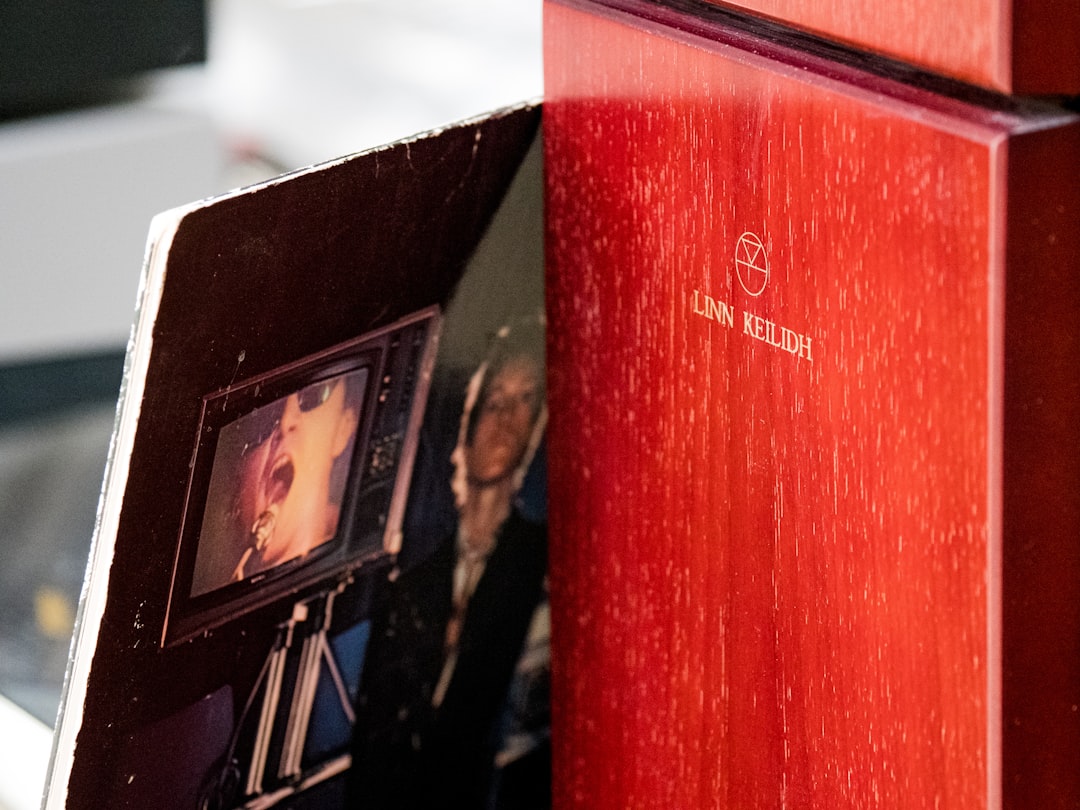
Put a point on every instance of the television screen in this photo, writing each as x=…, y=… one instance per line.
x=300, y=475
x=278, y=480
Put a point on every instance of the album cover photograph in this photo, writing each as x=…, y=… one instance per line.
x=319, y=575
x=300, y=472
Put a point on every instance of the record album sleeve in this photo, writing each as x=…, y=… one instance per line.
x=288, y=446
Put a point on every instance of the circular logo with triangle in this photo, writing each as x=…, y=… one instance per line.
x=751, y=264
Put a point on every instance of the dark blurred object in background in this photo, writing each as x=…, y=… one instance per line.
x=56, y=418
x=35, y=389
x=59, y=53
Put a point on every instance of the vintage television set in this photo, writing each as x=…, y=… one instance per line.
x=299, y=476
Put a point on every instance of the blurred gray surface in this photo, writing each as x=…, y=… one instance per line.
x=77, y=192
x=50, y=478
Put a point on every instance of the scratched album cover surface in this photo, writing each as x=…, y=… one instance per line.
x=816, y=536
x=320, y=572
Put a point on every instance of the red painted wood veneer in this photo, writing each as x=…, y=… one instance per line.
x=1013, y=46
x=815, y=530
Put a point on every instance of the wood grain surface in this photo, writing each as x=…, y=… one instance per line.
x=780, y=445
x=1013, y=46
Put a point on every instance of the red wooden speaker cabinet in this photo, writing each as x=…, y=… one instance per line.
x=1013, y=46
x=815, y=434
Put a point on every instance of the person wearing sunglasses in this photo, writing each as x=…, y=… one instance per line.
x=278, y=481
x=286, y=486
